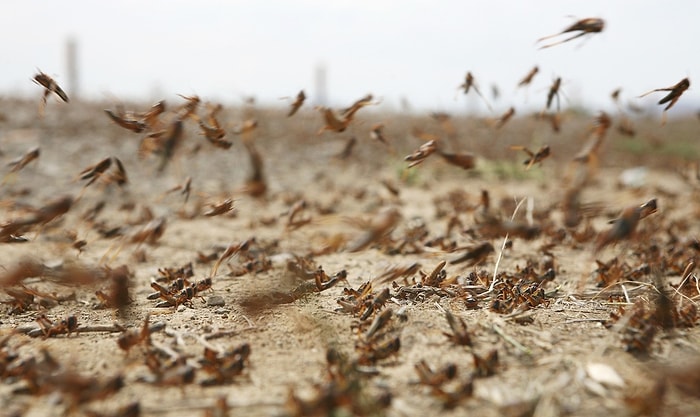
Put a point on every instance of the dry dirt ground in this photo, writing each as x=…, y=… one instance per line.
x=555, y=355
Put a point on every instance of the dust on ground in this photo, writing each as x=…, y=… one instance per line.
x=555, y=358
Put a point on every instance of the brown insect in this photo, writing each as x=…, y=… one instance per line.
x=220, y=208
x=118, y=293
x=50, y=86
x=672, y=97
x=229, y=252
x=470, y=83
x=553, y=92
x=553, y=118
x=255, y=185
x=22, y=299
x=213, y=131
x=425, y=150
x=463, y=160
x=52, y=210
x=184, y=189
x=339, y=122
x=535, y=157
x=298, y=102
x=122, y=120
x=625, y=127
x=171, y=274
x=418, y=133
x=303, y=268
x=171, y=142
x=178, y=293
x=451, y=399
x=485, y=215
x=485, y=366
x=375, y=303
x=215, y=135
x=381, y=351
x=615, y=95
x=189, y=109
x=349, y=112
x=334, y=122
x=150, y=118
x=505, y=117
x=224, y=366
x=460, y=334
x=65, y=326
x=475, y=255
x=21, y=162
x=294, y=219
x=324, y=282
x=587, y=158
x=624, y=226
x=164, y=142
x=584, y=26
x=436, y=276
x=78, y=389
x=246, y=127
x=131, y=338
x=343, y=392
x=377, y=133
x=173, y=373
x=23, y=269
x=93, y=172
x=118, y=175
x=219, y=409
x=150, y=232
x=527, y=79
x=435, y=378
x=347, y=149
x=379, y=323
x=379, y=227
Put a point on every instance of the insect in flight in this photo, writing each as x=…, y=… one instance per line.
x=584, y=26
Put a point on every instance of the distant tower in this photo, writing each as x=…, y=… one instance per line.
x=320, y=82
x=72, y=67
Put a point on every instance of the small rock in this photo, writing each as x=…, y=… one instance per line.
x=604, y=374
x=634, y=177
x=222, y=311
x=215, y=301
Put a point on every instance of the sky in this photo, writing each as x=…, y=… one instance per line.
x=419, y=51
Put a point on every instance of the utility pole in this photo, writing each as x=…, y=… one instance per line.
x=72, y=68
x=320, y=83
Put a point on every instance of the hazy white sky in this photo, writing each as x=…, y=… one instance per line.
x=420, y=50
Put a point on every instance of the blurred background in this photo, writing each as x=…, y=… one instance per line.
x=412, y=54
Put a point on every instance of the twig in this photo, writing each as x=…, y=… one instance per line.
x=110, y=328
x=225, y=333
x=624, y=291
x=584, y=320
x=510, y=340
x=251, y=325
x=503, y=247
x=640, y=284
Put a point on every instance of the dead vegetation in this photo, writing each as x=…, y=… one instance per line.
x=303, y=276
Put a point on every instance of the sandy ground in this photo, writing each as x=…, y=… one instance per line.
x=555, y=358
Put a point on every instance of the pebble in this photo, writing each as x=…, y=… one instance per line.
x=215, y=301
